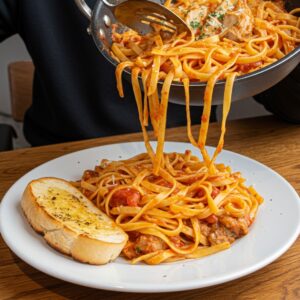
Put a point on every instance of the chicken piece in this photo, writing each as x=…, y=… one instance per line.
x=195, y=18
x=204, y=229
x=143, y=244
x=129, y=251
x=219, y=234
x=149, y=243
x=239, y=226
x=230, y=19
x=213, y=23
x=238, y=24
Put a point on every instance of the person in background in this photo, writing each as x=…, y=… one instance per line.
x=283, y=99
x=74, y=90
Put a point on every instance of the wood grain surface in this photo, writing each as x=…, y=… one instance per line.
x=266, y=139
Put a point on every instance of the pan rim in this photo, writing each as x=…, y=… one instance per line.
x=239, y=79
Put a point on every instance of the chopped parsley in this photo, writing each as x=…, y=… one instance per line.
x=201, y=36
x=195, y=24
x=138, y=250
x=221, y=17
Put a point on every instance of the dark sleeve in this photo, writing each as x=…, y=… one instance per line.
x=8, y=18
x=283, y=99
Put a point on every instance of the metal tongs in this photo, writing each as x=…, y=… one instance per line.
x=139, y=15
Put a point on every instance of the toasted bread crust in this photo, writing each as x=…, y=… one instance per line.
x=80, y=246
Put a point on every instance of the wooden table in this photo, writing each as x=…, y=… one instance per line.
x=266, y=139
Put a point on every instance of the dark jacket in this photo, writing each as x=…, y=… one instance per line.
x=74, y=92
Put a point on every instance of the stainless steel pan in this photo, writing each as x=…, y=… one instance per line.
x=245, y=86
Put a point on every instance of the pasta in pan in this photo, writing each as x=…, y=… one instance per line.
x=175, y=206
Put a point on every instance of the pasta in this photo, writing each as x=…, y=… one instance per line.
x=230, y=38
x=183, y=212
x=175, y=206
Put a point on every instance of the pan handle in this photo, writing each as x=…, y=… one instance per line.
x=84, y=8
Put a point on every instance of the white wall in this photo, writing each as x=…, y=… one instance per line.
x=12, y=49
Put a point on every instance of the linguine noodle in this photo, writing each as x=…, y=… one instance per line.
x=175, y=206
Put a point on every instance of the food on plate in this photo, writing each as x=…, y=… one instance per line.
x=182, y=212
x=70, y=222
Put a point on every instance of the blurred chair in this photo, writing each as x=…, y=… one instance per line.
x=20, y=76
x=7, y=133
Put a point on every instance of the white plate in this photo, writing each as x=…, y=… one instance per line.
x=275, y=229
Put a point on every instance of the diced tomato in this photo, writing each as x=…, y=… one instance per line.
x=204, y=118
x=167, y=184
x=176, y=241
x=136, y=38
x=87, y=193
x=159, y=181
x=164, y=183
x=245, y=68
x=215, y=192
x=153, y=178
x=212, y=219
x=125, y=197
x=187, y=152
x=166, y=67
x=200, y=193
